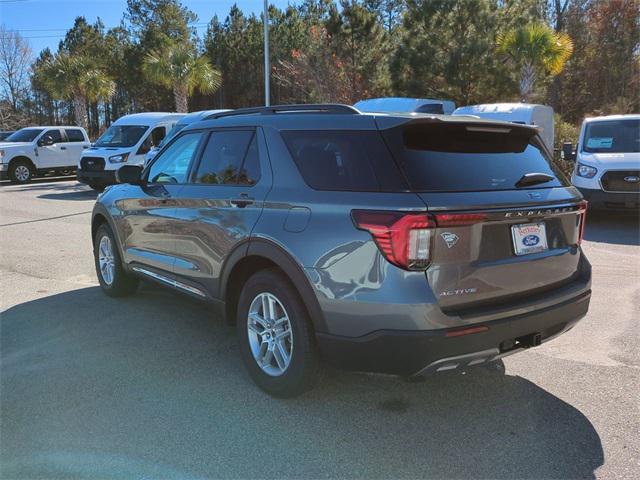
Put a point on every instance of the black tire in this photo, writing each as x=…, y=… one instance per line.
x=122, y=283
x=304, y=366
x=20, y=171
x=96, y=186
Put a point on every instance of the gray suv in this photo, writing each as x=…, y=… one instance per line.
x=403, y=244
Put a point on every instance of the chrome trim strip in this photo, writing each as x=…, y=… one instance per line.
x=170, y=281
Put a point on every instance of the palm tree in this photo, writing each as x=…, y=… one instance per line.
x=537, y=51
x=180, y=68
x=77, y=79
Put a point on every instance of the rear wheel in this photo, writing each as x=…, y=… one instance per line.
x=276, y=337
x=20, y=171
x=113, y=279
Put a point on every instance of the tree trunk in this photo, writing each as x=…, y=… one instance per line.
x=527, y=81
x=180, y=95
x=80, y=111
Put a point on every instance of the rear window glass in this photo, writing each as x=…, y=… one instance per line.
x=74, y=135
x=445, y=157
x=344, y=160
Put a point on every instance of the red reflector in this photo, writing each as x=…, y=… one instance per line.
x=467, y=331
x=459, y=219
x=582, y=213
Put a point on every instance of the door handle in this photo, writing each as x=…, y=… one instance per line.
x=242, y=201
x=63, y=148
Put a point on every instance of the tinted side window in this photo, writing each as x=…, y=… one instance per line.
x=157, y=135
x=74, y=135
x=339, y=160
x=172, y=165
x=250, y=171
x=223, y=156
x=55, y=135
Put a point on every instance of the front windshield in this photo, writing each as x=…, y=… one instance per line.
x=121, y=136
x=24, y=135
x=177, y=127
x=612, y=136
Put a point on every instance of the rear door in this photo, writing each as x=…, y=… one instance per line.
x=507, y=226
x=76, y=143
x=218, y=208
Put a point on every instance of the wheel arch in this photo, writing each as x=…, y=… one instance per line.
x=260, y=254
x=99, y=217
x=22, y=157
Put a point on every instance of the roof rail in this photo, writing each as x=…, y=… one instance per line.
x=334, y=108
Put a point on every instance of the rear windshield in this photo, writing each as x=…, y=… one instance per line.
x=612, y=136
x=344, y=160
x=463, y=157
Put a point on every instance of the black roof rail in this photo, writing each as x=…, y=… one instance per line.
x=335, y=108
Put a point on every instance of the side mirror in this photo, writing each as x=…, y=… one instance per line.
x=567, y=151
x=45, y=141
x=131, y=174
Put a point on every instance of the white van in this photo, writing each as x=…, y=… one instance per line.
x=188, y=119
x=406, y=105
x=523, y=113
x=607, y=170
x=126, y=142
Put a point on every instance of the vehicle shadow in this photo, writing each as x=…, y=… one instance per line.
x=70, y=190
x=613, y=228
x=40, y=180
x=153, y=385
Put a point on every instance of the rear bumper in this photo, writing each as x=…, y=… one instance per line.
x=601, y=200
x=104, y=177
x=417, y=352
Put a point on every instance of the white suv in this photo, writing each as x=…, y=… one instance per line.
x=38, y=150
x=607, y=170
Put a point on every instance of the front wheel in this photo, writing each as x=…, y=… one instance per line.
x=113, y=279
x=20, y=172
x=276, y=337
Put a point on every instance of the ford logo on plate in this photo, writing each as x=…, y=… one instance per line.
x=530, y=240
x=632, y=179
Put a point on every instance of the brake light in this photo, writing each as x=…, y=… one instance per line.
x=403, y=238
x=582, y=215
x=459, y=219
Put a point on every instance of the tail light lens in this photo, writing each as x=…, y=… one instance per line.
x=403, y=238
x=582, y=215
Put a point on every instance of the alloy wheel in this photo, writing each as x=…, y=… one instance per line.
x=106, y=260
x=22, y=173
x=270, y=335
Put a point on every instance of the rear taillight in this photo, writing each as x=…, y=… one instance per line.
x=403, y=238
x=582, y=215
x=459, y=219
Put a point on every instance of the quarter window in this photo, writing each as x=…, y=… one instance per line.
x=172, y=165
x=223, y=159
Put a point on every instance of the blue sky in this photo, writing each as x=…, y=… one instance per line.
x=44, y=22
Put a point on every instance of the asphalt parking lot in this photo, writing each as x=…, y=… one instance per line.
x=152, y=386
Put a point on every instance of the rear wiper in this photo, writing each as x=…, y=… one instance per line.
x=533, y=179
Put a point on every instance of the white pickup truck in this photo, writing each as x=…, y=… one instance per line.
x=39, y=150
